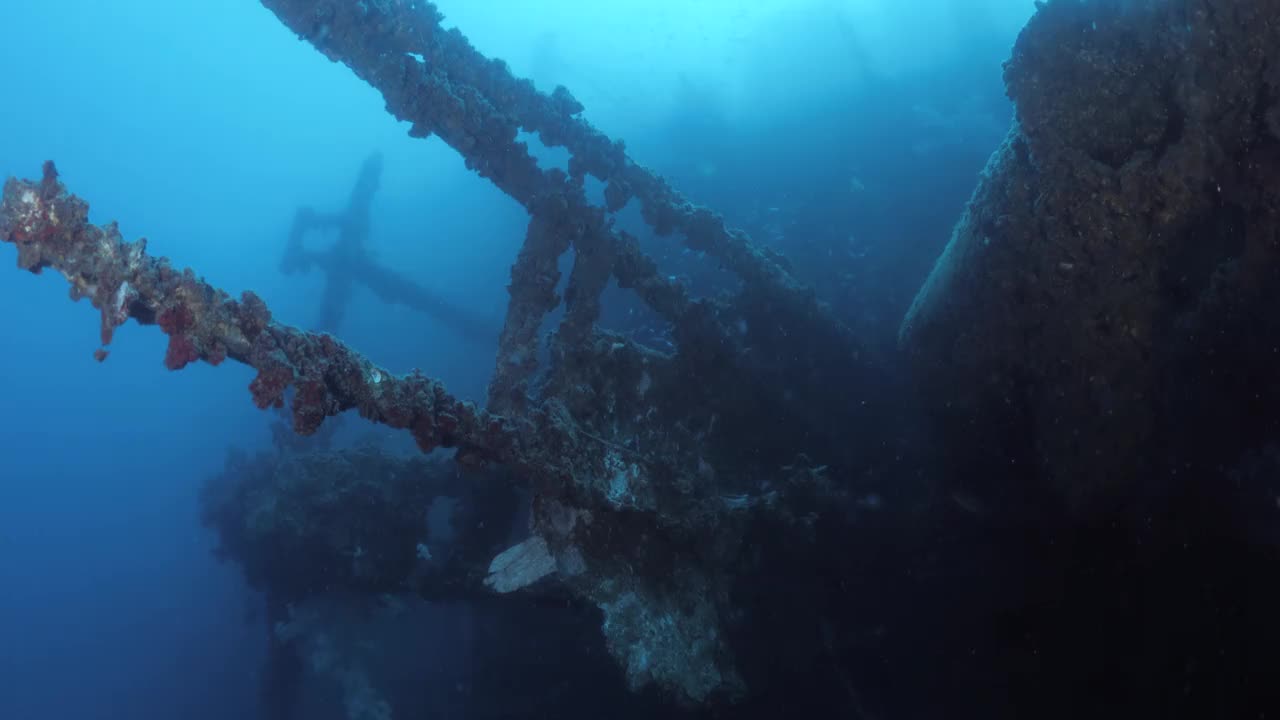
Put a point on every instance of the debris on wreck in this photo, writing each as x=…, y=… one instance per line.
x=1070, y=343
x=640, y=502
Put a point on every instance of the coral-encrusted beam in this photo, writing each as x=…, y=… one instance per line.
x=50, y=229
x=435, y=79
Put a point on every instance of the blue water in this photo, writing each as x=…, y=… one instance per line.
x=202, y=126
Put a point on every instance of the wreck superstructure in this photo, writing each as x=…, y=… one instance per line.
x=1118, y=246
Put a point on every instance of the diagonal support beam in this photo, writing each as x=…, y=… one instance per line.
x=436, y=81
x=585, y=487
x=50, y=228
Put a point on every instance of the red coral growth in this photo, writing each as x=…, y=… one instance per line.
x=34, y=226
x=176, y=319
x=254, y=315
x=108, y=328
x=181, y=351
x=269, y=386
x=397, y=410
x=328, y=345
x=310, y=406
x=203, y=322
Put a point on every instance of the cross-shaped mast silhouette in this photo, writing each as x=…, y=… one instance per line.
x=347, y=263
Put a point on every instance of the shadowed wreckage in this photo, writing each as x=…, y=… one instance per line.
x=1085, y=381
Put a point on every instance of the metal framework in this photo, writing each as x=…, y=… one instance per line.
x=640, y=494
